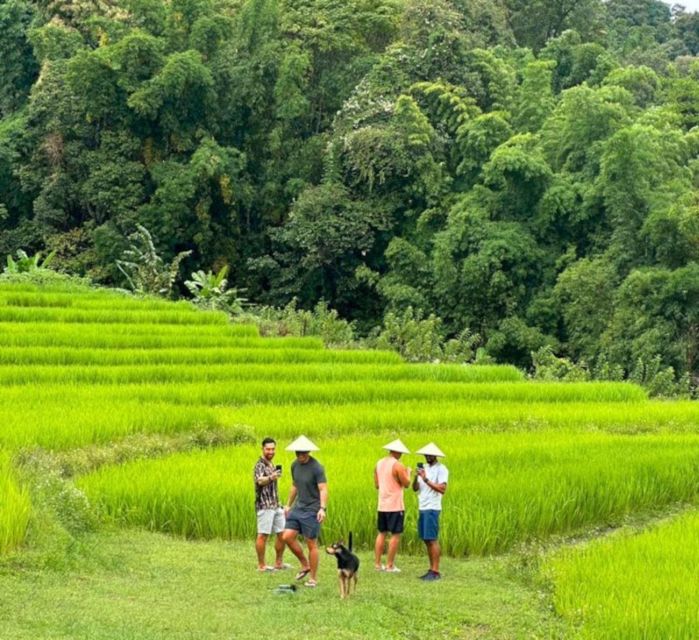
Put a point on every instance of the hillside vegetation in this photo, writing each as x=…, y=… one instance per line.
x=525, y=171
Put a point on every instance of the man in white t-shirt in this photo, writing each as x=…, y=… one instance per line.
x=430, y=484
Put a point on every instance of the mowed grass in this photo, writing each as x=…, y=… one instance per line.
x=503, y=489
x=632, y=586
x=143, y=586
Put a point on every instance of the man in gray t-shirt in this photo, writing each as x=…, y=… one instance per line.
x=305, y=509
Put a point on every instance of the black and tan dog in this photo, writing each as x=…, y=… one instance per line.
x=347, y=565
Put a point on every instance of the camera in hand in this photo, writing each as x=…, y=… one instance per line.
x=420, y=465
x=278, y=468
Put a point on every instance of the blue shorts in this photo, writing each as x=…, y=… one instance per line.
x=305, y=522
x=428, y=525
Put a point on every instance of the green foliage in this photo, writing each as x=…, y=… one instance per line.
x=585, y=292
x=291, y=321
x=535, y=23
x=420, y=339
x=27, y=264
x=144, y=269
x=18, y=68
x=547, y=366
x=535, y=100
x=53, y=495
x=210, y=291
x=475, y=160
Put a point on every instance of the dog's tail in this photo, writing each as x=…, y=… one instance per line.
x=350, y=541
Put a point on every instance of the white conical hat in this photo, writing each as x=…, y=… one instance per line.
x=431, y=449
x=396, y=446
x=302, y=443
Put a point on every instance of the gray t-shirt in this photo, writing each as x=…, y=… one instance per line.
x=306, y=478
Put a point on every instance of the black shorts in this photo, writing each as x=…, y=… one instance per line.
x=390, y=521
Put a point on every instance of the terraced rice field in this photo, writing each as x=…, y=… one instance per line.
x=633, y=586
x=528, y=460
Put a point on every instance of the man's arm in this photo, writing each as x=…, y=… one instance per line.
x=439, y=487
x=402, y=474
x=290, y=501
x=376, y=479
x=263, y=480
x=416, y=485
x=323, y=489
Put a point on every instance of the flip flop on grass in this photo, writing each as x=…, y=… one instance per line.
x=311, y=583
x=302, y=574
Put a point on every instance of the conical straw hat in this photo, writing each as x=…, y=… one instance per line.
x=431, y=449
x=396, y=446
x=302, y=443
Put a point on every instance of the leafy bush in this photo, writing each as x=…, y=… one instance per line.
x=420, y=339
x=548, y=366
x=292, y=321
x=144, y=269
x=27, y=264
x=210, y=291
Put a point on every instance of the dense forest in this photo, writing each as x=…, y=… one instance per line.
x=525, y=171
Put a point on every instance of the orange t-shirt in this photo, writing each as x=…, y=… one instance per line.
x=390, y=490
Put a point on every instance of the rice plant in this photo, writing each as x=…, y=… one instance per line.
x=133, y=334
x=77, y=422
x=110, y=315
x=15, y=507
x=503, y=488
x=318, y=372
x=276, y=353
x=632, y=586
x=94, y=300
x=335, y=393
x=481, y=415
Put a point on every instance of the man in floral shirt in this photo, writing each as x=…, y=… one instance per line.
x=270, y=514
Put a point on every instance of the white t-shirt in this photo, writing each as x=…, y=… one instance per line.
x=428, y=498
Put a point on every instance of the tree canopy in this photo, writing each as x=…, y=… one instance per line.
x=525, y=172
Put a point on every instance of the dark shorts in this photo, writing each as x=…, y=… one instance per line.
x=428, y=525
x=390, y=521
x=305, y=522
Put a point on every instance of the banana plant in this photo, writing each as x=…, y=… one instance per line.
x=210, y=290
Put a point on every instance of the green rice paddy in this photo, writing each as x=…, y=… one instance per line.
x=633, y=586
x=529, y=461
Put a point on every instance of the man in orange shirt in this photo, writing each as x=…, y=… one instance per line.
x=390, y=478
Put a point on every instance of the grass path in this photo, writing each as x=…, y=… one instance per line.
x=133, y=585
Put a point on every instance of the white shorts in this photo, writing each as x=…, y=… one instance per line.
x=270, y=521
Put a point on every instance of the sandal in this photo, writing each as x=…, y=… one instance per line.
x=311, y=583
x=283, y=567
x=302, y=574
x=266, y=569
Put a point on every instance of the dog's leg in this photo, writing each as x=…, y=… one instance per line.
x=355, y=582
x=341, y=583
